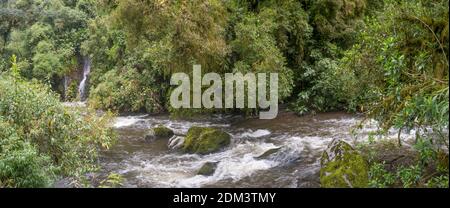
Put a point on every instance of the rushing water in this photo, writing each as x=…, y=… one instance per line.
x=296, y=164
x=83, y=83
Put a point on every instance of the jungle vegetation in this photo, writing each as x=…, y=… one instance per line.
x=386, y=59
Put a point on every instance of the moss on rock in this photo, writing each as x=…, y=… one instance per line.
x=343, y=167
x=208, y=169
x=203, y=140
x=159, y=132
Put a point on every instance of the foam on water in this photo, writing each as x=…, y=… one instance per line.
x=121, y=122
x=232, y=168
x=179, y=170
x=238, y=161
x=256, y=134
x=234, y=164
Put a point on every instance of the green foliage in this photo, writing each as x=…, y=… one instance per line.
x=426, y=167
x=128, y=92
x=343, y=167
x=180, y=33
x=408, y=76
x=438, y=182
x=155, y=38
x=320, y=83
x=409, y=176
x=257, y=51
x=306, y=42
x=337, y=20
x=288, y=37
x=45, y=35
x=399, y=76
x=72, y=91
x=325, y=92
x=15, y=70
x=427, y=153
x=113, y=180
x=20, y=163
x=379, y=177
x=385, y=58
x=43, y=139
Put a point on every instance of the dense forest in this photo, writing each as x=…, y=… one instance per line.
x=385, y=59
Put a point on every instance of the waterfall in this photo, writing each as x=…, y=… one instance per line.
x=86, y=71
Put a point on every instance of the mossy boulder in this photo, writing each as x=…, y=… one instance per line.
x=159, y=132
x=208, y=169
x=343, y=167
x=201, y=140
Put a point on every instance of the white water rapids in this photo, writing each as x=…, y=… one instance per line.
x=300, y=140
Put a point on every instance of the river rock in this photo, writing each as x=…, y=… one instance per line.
x=268, y=153
x=159, y=132
x=343, y=167
x=205, y=140
x=208, y=169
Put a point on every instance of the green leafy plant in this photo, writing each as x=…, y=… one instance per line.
x=42, y=138
x=113, y=180
x=410, y=176
x=379, y=177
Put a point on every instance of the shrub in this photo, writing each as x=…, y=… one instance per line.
x=20, y=163
x=41, y=139
x=126, y=92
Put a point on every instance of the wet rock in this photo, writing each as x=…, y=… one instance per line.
x=159, y=132
x=343, y=167
x=268, y=153
x=176, y=142
x=203, y=140
x=208, y=169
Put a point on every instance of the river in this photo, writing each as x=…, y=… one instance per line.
x=300, y=139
